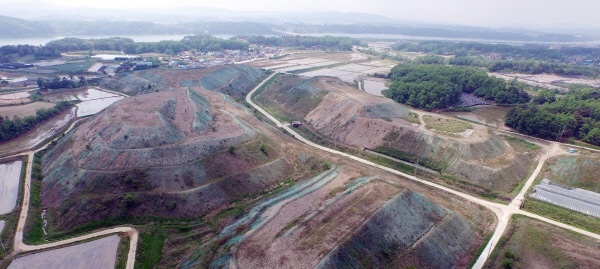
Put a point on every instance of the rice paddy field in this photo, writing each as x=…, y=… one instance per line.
x=10, y=174
x=101, y=253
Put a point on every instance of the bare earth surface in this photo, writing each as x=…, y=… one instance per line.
x=101, y=253
x=10, y=174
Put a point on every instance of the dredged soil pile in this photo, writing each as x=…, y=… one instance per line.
x=341, y=112
x=181, y=152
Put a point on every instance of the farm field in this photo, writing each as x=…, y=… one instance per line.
x=529, y=243
x=575, y=199
x=23, y=110
x=101, y=253
x=73, y=67
x=14, y=98
x=91, y=107
x=9, y=185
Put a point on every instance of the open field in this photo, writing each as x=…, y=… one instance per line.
x=99, y=253
x=9, y=185
x=445, y=124
x=23, y=110
x=73, y=67
x=529, y=243
x=14, y=98
x=491, y=115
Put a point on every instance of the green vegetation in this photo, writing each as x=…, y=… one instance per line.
x=521, y=143
x=413, y=118
x=74, y=67
x=574, y=115
x=573, y=218
x=122, y=253
x=529, y=59
x=10, y=128
x=451, y=126
x=33, y=233
x=528, y=241
x=306, y=42
x=150, y=248
x=440, y=86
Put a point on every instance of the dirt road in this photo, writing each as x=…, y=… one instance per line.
x=503, y=212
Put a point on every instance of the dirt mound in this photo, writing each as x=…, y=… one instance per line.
x=428, y=237
x=180, y=153
x=345, y=114
x=235, y=80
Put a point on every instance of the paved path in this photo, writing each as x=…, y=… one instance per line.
x=502, y=212
x=20, y=247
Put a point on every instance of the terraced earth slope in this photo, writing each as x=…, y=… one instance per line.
x=179, y=153
x=351, y=217
x=476, y=158
x=234, y=80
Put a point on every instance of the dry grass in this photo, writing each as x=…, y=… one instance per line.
x=445, y=125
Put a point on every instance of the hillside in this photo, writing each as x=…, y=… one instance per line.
x=18, y=28
x=474, y=158
x=178, y=153
x=235, y=80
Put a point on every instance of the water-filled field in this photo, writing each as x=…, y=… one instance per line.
x=10, y=174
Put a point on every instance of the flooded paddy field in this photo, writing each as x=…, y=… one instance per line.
x=10, y=175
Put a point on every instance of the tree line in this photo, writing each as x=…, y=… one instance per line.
x=305, y=42
x=11, y=128
x=66, y=82
x=528, y=59
x=573, y=115
x=440, y=86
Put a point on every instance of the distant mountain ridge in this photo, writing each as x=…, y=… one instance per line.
x=314, y=23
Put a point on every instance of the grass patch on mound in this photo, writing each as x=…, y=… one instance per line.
x=451, y=126
x=583, y=144
x=413, y=118
x=519, y=143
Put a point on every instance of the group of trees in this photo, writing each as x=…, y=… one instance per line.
x=440, y=86
x=10, y=128
x=304, y=42
x=64, y=82
x=506, y=51
x=11, y=53
x=575, y=114
x=202, y=43
x=528, y=59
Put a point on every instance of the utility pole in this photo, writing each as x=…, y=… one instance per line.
x=559, y=135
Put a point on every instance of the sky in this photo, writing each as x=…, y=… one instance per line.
x=522, y=13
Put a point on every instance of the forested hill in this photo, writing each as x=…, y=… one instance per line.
x=440, y=86
x=575, y=114
x=18, y=28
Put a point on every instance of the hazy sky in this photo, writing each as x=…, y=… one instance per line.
x=470, y=12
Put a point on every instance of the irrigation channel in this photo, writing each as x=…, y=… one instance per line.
x=503, y=212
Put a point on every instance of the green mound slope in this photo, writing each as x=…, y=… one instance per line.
x=408, y=231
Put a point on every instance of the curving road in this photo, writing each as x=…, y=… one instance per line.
x=503, y=212
x=20, y=247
